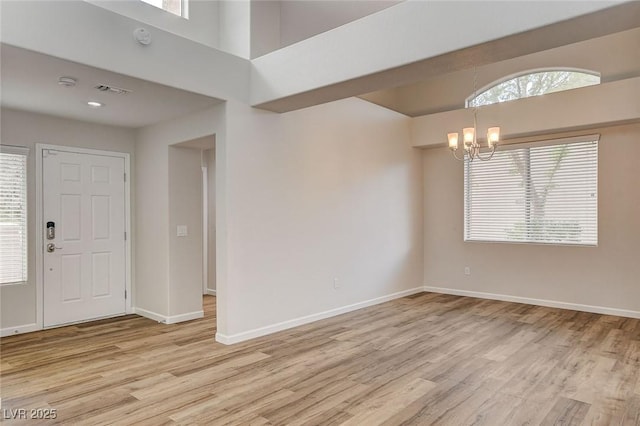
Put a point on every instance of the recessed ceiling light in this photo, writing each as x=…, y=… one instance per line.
x=94, y=104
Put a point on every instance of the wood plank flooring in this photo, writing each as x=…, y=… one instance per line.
x=427, y=359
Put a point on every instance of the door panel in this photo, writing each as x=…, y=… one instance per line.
x=84, y=275
x=71, y=277
x=101, y=270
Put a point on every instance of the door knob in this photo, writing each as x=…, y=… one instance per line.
x=51, y=247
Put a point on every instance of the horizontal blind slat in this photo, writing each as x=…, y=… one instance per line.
x=13, y=218
x=544, y=194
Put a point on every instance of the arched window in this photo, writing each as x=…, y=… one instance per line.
x=533, y=84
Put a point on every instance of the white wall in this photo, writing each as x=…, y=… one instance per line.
x=265, y=27
x=158, y=251
x=235, y=27
x=328, y=192
x=26, y=129
x=185, y=209
x=276, y=24
x=152, y=224
x=201, y=25
x=301, y=20
x=604, y=276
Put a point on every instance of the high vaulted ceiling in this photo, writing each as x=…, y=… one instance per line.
x=338, y=63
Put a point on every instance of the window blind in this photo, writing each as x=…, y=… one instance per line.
x=13, y=215
x=535, y=194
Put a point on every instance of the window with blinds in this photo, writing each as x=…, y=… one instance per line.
x=535, y=193
x=13, y=214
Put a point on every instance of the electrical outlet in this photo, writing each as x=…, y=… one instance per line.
x=336, y=284
x=467, y=270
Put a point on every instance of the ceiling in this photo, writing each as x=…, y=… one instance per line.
x=30, y=82
x=614, y=56
x=29, y=79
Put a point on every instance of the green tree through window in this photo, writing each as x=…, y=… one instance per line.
x=533, y=84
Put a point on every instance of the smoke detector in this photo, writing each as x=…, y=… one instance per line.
x=67, y=81
x=112, y=89
x=142, y=36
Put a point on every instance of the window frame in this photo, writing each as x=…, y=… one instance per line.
x=184, y=8
x=480, y=91
x=23, y=151
x=535, y=144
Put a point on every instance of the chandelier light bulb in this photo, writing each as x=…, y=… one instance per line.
x=468, y=133
x=493, y=135
x=453, y=140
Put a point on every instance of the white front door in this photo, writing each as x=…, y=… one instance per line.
x=84, y=273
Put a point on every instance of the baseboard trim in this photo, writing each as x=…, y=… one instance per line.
x=538, y=302
x=285, y=325
x=150, y=314
x=185, y=317
x=225, y=340
x=211, y=292
x=19, y=329
x=165, y=319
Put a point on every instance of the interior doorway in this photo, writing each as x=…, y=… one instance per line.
x=205, y=146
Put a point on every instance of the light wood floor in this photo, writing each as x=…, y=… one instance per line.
x=426, y=359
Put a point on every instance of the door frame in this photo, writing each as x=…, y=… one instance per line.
x=205, y=225
x=39, y=245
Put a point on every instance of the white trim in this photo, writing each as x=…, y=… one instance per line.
x=205, y=224
x=210, y=292
x=185, y=317
x=150, y=314
x=19, y=329
x=39, y=242
x=168, y=319
x=263, y=331
x=39, y=220
x=226, y=340
x=537, y=302
x=128, y=251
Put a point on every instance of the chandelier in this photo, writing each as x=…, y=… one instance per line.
x=471, y=146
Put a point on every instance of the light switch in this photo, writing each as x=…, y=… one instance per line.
x=182, y=231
